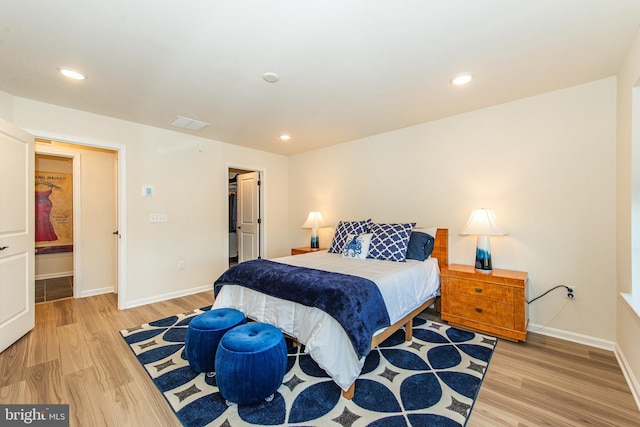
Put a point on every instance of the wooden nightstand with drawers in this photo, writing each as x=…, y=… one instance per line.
x=493, y=303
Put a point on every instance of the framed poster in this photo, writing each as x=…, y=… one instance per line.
x=54, y=212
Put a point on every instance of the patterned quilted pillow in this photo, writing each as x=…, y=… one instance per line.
x=389, y=241
x=342, y=233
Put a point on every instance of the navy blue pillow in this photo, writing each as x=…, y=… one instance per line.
x=420, y=246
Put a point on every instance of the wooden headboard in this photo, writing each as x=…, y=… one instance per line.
x=441, y=247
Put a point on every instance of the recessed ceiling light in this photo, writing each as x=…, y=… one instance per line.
x=461, y=79
x=270, y=77
x=285, y=137
x=71, y=73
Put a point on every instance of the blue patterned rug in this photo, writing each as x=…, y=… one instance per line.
x=430, y=381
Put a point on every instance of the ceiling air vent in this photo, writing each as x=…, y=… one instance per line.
x=187, y=123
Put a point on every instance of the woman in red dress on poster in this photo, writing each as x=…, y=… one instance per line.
x=44, y=228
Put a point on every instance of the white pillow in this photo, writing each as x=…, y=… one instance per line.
x=429, y=230
x=357, y=247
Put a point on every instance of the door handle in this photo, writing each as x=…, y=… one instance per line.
x=2, y=248
x=116, y=233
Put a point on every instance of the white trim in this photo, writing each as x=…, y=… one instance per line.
x=122, y=200
x=54, y=275
x=170, y=295
x=633, y=301
x=77, y=224
x=632, y=381
x=572, y=336
x=122, y=228
x=93, y=292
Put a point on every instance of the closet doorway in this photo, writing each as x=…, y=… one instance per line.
x=54, y=227
x=245, y=214
x=76, y=235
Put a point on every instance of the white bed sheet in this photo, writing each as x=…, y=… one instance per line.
x=404, y=287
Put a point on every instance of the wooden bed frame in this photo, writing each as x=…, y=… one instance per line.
x=441, y=253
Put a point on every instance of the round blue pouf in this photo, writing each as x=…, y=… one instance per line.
x=205, y=332
x=251, y=361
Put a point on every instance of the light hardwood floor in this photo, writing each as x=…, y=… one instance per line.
x=76, y=355
x=546, y=381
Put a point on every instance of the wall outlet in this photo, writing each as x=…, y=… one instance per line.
x=571, y=292
x=181, y=265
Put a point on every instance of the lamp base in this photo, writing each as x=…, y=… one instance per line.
x=315, y=241
x=483, y=255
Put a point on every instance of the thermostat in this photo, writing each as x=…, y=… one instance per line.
x=147, y=191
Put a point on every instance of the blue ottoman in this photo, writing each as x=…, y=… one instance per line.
x=204, y=334
x=251, y=361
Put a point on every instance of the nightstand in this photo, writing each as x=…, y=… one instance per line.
x=305, y=250
x=493, y=303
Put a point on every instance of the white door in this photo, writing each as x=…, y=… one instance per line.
x=248, y=224
x=17, y=237
x=99, y=250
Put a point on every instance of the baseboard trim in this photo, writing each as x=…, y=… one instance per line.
x=54, y=275
x=632, y=381
x=572, y=336
x=170, y=295
x=93, y=292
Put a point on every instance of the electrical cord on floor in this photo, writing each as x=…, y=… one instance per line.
x=569, y=293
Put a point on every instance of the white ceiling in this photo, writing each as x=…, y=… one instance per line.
x=348, y=68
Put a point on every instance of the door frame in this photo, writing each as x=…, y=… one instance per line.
x=77, y=212
x=261, y=197
x=121, y=285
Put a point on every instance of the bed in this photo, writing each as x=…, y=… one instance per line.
x=407, y=288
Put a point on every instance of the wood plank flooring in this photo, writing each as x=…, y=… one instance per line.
x=75, y=355
x=546, y=381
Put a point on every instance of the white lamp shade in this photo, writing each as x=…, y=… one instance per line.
x=483, y=222
x=314, y=220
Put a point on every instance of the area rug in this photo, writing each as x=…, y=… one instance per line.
x=432, y=380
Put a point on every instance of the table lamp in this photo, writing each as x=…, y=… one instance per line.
x=314, y=221
x=483, y=223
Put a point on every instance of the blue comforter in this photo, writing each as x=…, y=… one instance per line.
x=355, y=302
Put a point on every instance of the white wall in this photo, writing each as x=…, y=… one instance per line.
x=545, y=164
x=190, y=178
x=6, y=106
x=628, y=319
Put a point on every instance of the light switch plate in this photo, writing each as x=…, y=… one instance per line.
x=158, y=217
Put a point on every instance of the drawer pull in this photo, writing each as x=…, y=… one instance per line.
x=478, y=309
x=479, y=290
